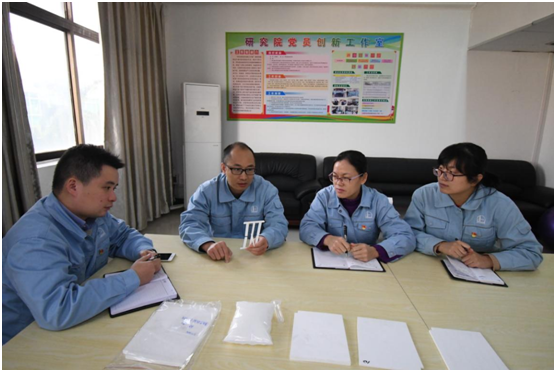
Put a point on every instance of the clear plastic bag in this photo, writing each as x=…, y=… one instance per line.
x=171, y=337
x=252, y=322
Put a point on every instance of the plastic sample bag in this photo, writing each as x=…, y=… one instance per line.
x=171, y=337
x=252, y=322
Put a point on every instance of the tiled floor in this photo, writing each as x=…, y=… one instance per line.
x=168, y=224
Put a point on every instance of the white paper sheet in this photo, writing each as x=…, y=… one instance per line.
x=157, y=290
x=466, y=350
x=319, y=337
x=462, y=271
x=342, y=261
x=386, y=344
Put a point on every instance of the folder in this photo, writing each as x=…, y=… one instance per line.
x=329, y=260
x=459, y=271
x=158, y=290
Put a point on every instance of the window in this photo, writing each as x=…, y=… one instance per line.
x=60, y=60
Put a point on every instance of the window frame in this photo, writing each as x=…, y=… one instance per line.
x=70, y=29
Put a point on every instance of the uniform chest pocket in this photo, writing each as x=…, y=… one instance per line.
x=365, y=227
x=335, y=227
x=221, y=221
x=254, y=217
x=480, y=237
x=434, y=223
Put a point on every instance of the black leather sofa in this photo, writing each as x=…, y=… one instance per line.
x=400, y=177
x=295, y=177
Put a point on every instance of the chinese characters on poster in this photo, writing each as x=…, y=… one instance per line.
x=313, y=77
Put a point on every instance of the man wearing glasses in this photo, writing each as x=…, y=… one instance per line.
x=221, y=205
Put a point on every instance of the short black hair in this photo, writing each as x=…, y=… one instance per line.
x=470, y=159
x=227, y=151
x=83, y=162
x=355, y=158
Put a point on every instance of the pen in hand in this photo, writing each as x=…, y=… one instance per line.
x=346, y=236
x=154, y=257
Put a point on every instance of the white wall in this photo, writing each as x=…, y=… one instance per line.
x=545, y=166
x=431, y=101
x=45, y=171
x=504, y=102
x=492, y=20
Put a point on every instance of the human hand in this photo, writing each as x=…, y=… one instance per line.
x=145, y=269
x=363, y=252
x=217, y=251
x=258, y=247
x=456, y=249
x=474, y=259
x=146, y=252
x=336, y=244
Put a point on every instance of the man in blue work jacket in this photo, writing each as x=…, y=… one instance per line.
x=221, y=205
x=65, y=238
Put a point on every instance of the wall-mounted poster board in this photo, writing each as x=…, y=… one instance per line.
x=348, y=77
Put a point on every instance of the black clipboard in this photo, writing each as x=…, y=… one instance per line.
x=472, y=281
x=347, y=269
x=145, y=306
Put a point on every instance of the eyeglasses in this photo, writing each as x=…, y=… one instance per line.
x=333, y=178
x=238, y=171
x=448, y=176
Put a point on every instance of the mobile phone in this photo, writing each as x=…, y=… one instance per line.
x=166, y=256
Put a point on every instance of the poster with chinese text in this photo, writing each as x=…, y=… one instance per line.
x=349, y=77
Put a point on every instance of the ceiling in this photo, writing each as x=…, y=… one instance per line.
x=537, y=37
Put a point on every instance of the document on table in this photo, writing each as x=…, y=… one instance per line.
x=386, y=344
x=459, y=270
x=328, y=260
x=159, y=289
x=319, y=337
x=466, y=350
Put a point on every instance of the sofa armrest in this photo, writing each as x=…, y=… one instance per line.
x=539, y=195
x=306, y=188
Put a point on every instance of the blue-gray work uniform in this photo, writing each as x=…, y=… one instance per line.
x=46, y=257
x=374, y=214
x=488, y=221
x=213, y=211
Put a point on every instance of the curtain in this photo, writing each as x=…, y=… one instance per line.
x=136, y=113
x=20, y=181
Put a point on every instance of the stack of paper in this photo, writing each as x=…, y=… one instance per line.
x=386, y=344
x=319, y=337
x=465, y=350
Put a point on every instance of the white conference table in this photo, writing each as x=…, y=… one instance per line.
x=287, y=274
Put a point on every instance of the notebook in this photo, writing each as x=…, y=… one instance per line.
x=458, y=270
x=328, y=260
x=159, y=289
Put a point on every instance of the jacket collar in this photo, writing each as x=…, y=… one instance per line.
x=474, y=201
x=61, y=214
x=366, y=197
x=225, y=194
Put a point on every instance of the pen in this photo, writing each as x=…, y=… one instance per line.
x=346, y=235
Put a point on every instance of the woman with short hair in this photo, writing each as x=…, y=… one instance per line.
x=465, y=217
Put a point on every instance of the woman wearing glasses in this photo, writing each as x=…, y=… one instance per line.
x=349, y=216
x=463, y=216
